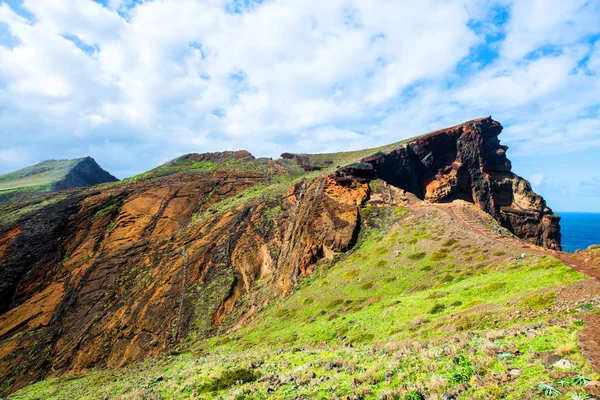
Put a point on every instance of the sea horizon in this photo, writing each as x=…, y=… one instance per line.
x=580, y=229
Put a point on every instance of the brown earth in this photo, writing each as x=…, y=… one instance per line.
x=109, y=275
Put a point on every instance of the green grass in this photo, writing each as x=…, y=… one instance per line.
x=401, y=329
x=39, y=176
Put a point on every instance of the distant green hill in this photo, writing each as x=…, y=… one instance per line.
x=52, y=175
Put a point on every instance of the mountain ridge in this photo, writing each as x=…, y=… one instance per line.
x=126, y=270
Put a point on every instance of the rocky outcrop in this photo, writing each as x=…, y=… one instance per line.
x=94, y=278
x=467, y=162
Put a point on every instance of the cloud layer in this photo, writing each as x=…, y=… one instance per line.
x=136, y=83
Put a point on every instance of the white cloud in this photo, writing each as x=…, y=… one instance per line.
x=537, y=23
x=164, y=77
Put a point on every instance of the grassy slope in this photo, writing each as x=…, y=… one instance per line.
x=38, y=177
x=418, y=306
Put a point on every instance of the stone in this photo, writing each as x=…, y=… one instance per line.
x=330, y=366
x=515, y=373
x=593, y=388
x=552, y=359
x=563, y=364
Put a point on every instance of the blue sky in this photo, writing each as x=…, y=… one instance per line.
x=136, y=83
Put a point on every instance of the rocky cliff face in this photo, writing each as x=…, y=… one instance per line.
x=109, y=275
x=467, y=162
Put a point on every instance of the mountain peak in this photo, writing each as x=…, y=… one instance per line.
x=51, y=176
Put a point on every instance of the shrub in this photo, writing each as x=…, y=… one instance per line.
x=437, y=308
x=449, y=242
x=307, y=301
x=229, y=379
x=416, y=256
x=351, y=274
x=381, y=250
x=539, y=301
x=335, y=303
x=366, y=285
x=438, y=256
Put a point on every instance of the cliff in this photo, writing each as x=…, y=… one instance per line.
x=109, y=275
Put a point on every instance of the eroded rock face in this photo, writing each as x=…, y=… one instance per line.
x=108, y=277
x=467, y=162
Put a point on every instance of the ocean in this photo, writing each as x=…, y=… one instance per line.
x=579, y=230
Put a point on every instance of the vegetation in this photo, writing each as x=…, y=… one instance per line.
x=412, y=328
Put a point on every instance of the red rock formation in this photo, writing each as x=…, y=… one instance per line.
x=467, y=162
x=107, y=276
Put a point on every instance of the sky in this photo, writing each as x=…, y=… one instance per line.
x=135, y=83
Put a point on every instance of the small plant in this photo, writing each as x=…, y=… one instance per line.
x=580, y=396
x=565, y=382
x=580, y=380
x=548, y=390
x=506, y=356
x=463, y=371
x=415, y=395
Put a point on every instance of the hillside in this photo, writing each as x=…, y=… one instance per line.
x=386, y=273
x=50, y=176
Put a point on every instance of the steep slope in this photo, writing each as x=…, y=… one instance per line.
x=422, y=306
x=109, y=275
x=50, y=176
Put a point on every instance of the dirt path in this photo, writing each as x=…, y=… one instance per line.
x=457, y=212
x=589, y=337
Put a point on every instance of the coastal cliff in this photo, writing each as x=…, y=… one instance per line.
x=112, y=274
